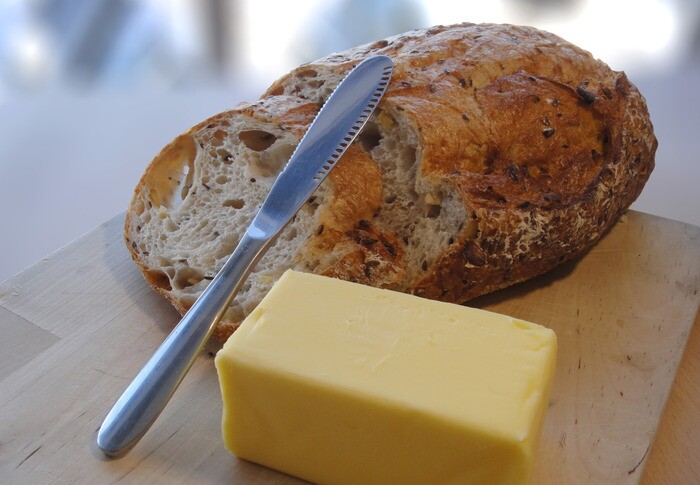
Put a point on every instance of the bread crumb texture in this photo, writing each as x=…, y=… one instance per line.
x=497, y=153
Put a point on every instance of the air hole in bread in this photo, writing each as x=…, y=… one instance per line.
x=235, y=203
x=224, y=155
x=218, y=138
x=270, y=162
x=308, y=73
x=432, y=211
x=185, y=186
x=186, y=277
x=166, y=265
x=370, y=137
x=169, y=225
x=222, y=179
x=159, y=279
x=316, y=83
x=487, y=163
x=289, y=234
x=257, y=140
x=313, y=202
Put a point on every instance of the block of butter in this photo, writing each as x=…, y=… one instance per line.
x=340, y=383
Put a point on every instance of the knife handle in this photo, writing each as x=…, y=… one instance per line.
x=149, y=392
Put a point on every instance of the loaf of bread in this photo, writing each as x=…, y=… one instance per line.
x=497, y=153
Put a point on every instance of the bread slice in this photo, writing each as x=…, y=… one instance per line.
x=497, y=153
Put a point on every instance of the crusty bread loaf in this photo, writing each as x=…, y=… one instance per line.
x=497, y=153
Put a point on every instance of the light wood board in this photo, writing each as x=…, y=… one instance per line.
x=78, y=325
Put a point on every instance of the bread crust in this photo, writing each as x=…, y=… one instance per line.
x=542, y=146
x=545, y=145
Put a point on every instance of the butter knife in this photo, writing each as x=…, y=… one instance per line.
x=336, y=125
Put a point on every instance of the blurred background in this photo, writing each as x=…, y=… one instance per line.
x=90, y=90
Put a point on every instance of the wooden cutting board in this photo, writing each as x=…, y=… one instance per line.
x=78, y=325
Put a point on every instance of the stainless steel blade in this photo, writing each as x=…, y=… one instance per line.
x=335, y=127
x=337, y=124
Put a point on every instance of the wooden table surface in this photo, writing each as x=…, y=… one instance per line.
x=78, y=325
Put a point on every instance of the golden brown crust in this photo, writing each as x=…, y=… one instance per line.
x=546, y=145
x=543, y=146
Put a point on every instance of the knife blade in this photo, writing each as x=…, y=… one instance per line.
x=335, y=127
